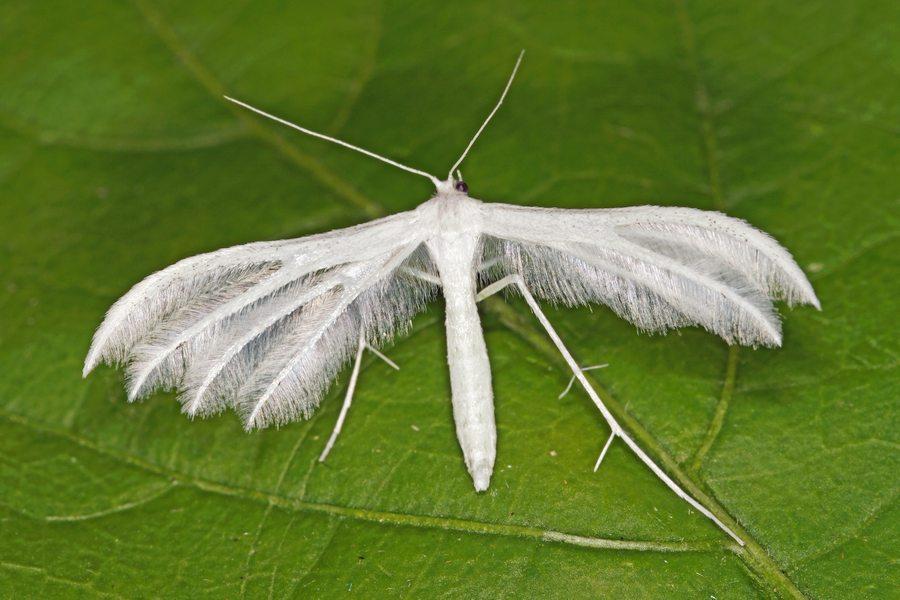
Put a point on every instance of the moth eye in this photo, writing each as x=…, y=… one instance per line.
x=461, y=187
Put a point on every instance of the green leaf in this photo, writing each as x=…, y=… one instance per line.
x=118, y=156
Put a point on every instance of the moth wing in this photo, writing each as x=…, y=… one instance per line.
x=208, y=323
x=657, y=267
x=287, y=379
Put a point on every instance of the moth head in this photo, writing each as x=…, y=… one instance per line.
x=458, y=184
x=453, y=186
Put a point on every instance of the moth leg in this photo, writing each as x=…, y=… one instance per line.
x=498, y=285
x=606, y=446
x=488, y=264
x=351, y=387
x=419, y=274
x=617, y=430
x=566, y=391
x=572, y=380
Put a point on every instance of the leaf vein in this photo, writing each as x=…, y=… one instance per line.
x=211, y=84
x=365, y=514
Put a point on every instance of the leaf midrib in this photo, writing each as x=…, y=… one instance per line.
x=753, y=555
x=764, y=564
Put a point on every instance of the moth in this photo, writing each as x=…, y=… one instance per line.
x=264, y=328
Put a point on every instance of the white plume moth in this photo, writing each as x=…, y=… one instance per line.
x=265, y=327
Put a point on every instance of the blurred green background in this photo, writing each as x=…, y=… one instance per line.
x=118, y=157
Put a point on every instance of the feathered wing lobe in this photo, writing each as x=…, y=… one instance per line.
x=373, y=299
x=732, y=242
x=200, y=283
x=216, y=326
x=206, y=277
x=212, y=379
x=657, y=267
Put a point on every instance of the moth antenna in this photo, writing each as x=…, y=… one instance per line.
x=490, y=116
x=333, y=140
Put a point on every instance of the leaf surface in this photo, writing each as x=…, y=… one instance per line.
x=118, y=156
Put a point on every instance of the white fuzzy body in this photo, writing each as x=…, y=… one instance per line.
x=455, y=249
